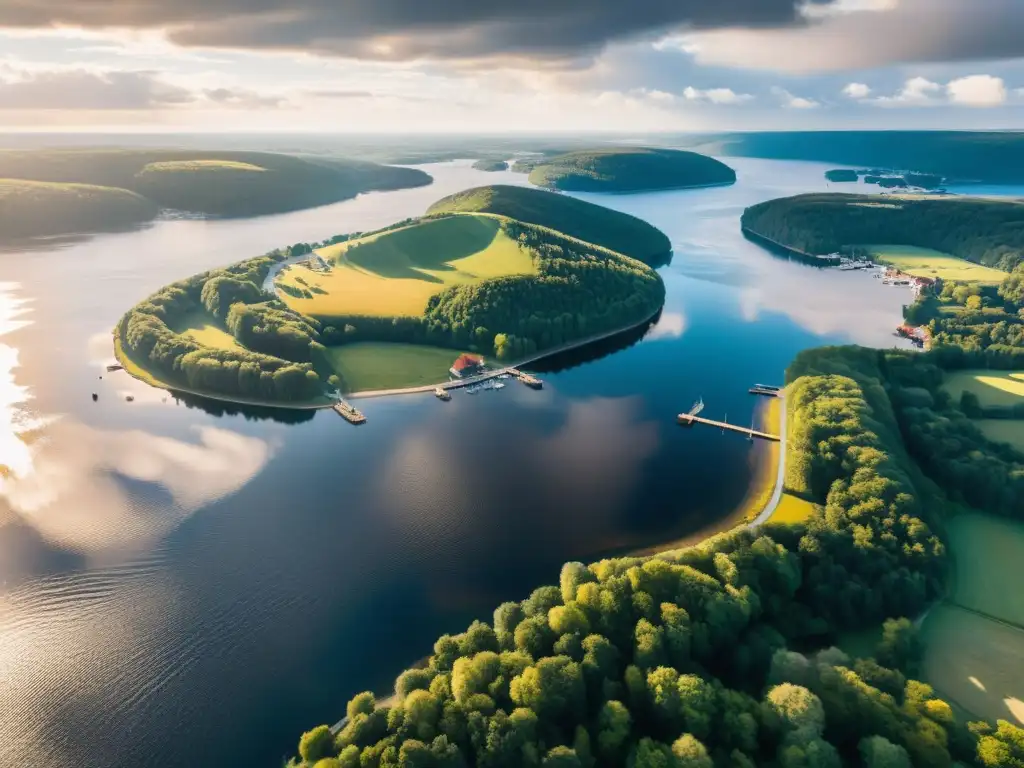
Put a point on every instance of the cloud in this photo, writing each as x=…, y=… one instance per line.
x=917, y=91
x=872, y=35
x=977, y=91
x=79, y=88
x=716, y=95
x=330, y=93
x=242, y=98
x=791, y=101
x=857, y=91
x=411, y=29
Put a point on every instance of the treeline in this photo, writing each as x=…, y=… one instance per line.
x=983, y=231
x=705, y=656
x=580, y=291
x=285, y=341
x=626, y=169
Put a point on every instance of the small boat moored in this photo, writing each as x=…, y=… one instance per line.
x=442, y=394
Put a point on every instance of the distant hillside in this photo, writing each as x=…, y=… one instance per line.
x=491, y=165
x=211, y=183
x=585, y=221
x=984, y=156
x=985, y=231
x=629, y=169
x=38, y=208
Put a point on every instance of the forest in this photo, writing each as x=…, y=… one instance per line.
x=985, y=231
x=616, y=231
x=627, y=169
x=719, y=654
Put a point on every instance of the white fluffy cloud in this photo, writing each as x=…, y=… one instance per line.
x=917, y=91
x=716, y=95
x=792, y=101
x=857, y=91
x=977, y=91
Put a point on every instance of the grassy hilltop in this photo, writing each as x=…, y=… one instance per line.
x=616, y=231
x=203, y=182
x=627, y=169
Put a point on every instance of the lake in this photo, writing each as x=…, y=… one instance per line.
x=183, y=585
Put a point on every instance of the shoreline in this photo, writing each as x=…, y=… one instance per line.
x=139, y=373
x=647, y=191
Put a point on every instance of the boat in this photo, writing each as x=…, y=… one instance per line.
x=348, y=413
x=686, y=419
x=442, y=394
x=767, y=386
x=114, y=367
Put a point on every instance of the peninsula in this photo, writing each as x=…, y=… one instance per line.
x=387, y=309
x=55, y=192
x=627, y=169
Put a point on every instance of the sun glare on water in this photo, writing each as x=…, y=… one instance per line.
x=15, y=421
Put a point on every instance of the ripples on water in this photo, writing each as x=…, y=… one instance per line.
x=187, y=583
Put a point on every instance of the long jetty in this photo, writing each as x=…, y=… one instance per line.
x=687, y=421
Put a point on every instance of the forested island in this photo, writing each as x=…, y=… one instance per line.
x=994, y=157
x=626, y=169
x=596, y=224
x=724, y=654
x=54, y=192
x=983, y=231
x=491, y=165
x=387, y=309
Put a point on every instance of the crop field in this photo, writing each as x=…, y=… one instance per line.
x=366, y=366
x=987, y=553
x=1008, y=431
x=206, y=329
x=974, y=662
x=924, y=262
x=192, y=166
x=396, y=272
x=991, y=387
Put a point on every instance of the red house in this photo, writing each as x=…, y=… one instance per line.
x=467, y=365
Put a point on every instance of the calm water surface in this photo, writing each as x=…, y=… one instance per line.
x=180, y=586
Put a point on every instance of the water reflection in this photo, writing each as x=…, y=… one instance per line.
x=16, y=425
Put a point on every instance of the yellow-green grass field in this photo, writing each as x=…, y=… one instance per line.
x=394, y=273
x=991, y=387
x=924, y=262
x=987, y=552
x=1009, y=431
x=207, y=330
x=368, y=366
x=193, y=166
x=975, y=663
x=792, y=509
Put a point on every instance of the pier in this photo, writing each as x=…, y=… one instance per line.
x=348, y=413
x=688, y=421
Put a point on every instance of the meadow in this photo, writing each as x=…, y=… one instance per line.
x=925, y=262
x=993, y=388
x=206, y=329
x=394, y=273
x=366, y=366
x=973, y=640
x=1009, y=431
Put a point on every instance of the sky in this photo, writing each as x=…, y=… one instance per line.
x=503, y=66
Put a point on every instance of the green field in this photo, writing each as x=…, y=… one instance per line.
x=206, y=329
x=975, y=662
x=370, y=365
x=595, y=224
x=924, y=262
x=991, y=387
x=1009, y=431
x=987, y=551
x=395, y=272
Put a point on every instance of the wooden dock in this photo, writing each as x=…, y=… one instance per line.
x=348, y=413
x=688, y=420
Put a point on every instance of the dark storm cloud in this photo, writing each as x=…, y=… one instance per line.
x=405, y=29
x=83, y=89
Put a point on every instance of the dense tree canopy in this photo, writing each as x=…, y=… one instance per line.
x=628, y=169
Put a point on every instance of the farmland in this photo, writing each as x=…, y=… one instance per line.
x=993, y=388
x=396, y=272
x=366, y=366
x=925, y=262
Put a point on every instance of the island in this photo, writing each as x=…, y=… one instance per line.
x=387, y=310
x=56, y=192
x=596, y=224
x=491, y=165
x=626, y=169
x=841, y=174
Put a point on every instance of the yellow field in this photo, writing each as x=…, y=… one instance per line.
x=792, y=509
x=1008, y=431
x=396, y=272
x=991, y=387
x=975, y=663
x=177, y=166
x=923, y=262
x=205, y=329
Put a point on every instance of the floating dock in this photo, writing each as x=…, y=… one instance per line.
x=529, y=380
x=348, y=413
x=766, y=390
x=690, y=418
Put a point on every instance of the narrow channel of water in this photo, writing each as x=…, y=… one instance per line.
x=186, y=584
